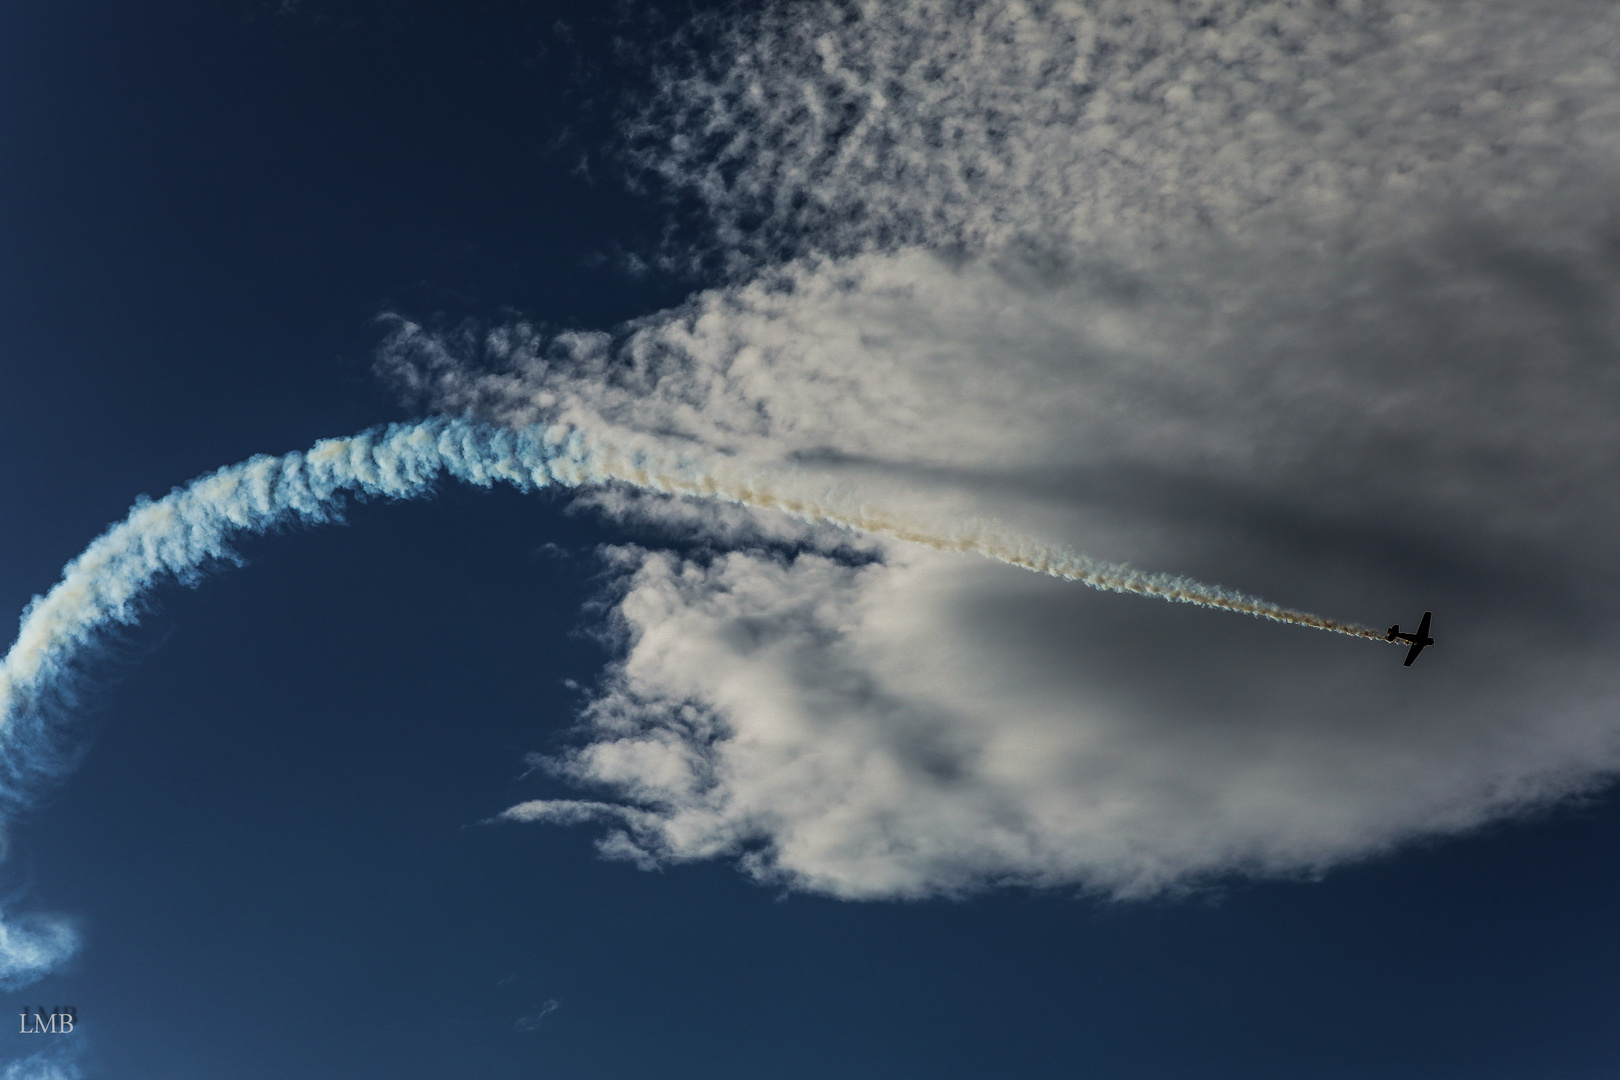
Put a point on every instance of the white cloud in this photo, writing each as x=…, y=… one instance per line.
x=32, y=946
x=1319, y=301
x=46, y=1065
x=961, y=123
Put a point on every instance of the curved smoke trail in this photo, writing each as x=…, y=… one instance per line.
x=180, y=533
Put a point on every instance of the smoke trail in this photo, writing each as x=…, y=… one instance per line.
x=178, y=534
x=977, y=537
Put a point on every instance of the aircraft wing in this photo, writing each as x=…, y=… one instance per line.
x=1423, y=627
x=1417, y=647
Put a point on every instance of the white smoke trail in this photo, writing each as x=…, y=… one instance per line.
x=715, y=480
x=177, y=535
x=988, y=539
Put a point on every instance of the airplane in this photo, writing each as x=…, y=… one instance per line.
x=1419, y=640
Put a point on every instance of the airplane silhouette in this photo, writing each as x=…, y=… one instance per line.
x=1419, y=640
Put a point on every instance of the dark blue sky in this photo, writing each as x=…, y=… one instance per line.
x=272, y=846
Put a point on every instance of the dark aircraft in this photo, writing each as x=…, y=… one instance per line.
x=1419, y=640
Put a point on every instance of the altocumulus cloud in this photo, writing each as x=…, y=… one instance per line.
x=1317, y=300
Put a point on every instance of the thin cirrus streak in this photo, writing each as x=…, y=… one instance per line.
x=178, y=534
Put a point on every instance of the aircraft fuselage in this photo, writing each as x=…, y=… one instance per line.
x=1419, y=641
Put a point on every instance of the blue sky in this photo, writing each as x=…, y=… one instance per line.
x=851, y=806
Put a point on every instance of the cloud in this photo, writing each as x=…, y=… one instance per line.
x=31, y=946
x=46, y=1065
x=956, y=124
x=1315, y=300
x=532, y=1022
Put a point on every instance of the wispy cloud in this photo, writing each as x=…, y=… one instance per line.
x=32, y=945
x=532, y=1022
x=54, y=1064
x=845, y=126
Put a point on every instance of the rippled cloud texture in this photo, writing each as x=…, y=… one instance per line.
x=1317, y=301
